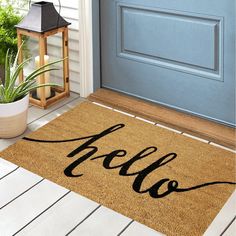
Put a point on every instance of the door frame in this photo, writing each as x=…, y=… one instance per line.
x=89, y=40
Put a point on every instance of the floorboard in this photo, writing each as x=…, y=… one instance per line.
x=103, y=221
x=231, y=231
x=136, y=229
x=20, y=212
x=35, y=113
x=15, y=184
x=61, y=218
x=6, y=167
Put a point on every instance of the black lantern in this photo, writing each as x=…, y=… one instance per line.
x=41, y=22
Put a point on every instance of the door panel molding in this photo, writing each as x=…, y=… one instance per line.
x=188, y=30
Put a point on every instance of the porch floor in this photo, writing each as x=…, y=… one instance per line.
x=32, y=205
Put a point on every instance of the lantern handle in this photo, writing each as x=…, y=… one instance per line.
x=59, y=1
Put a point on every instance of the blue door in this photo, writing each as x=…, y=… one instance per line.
x=178, y=53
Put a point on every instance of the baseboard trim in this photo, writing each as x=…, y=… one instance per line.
x=193, y=125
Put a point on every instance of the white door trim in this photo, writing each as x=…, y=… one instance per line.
x=86, y=47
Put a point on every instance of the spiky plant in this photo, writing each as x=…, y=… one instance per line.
x=10, y=91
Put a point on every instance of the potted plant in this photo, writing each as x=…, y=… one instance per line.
x=14, y=98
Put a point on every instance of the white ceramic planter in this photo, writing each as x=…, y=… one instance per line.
x=13, y=118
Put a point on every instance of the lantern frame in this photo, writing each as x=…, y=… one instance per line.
x=60, y=91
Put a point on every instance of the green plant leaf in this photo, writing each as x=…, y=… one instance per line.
x=7, y=70
x=42, y=69
x=26, y=91
x=15, y=74
x=9, y=91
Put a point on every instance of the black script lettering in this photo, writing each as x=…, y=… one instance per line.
x=68, y=170
x=73, y=165
x=145, y=152
x=95, y=138
x=109, y=157
x=124, y=166
x=154, y=190
x=142, y=174
x=105, y=132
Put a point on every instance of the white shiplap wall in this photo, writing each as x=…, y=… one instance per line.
x=69, y=10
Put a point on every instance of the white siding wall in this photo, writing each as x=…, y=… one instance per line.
x=69, y=10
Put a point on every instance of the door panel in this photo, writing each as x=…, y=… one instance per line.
x=176, y=53
x=181, y=31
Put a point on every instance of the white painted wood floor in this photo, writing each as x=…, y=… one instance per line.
x=32, y=205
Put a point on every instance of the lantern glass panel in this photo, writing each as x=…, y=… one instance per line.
x=54, y=53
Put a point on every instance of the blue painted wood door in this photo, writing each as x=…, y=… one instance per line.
x=179, y=53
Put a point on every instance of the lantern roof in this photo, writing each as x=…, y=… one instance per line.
x=42, y=17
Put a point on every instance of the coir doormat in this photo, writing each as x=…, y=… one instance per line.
x=169, y=182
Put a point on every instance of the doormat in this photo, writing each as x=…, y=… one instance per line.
x=169, y=182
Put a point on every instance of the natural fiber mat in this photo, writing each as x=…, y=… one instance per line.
x=169, y=182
